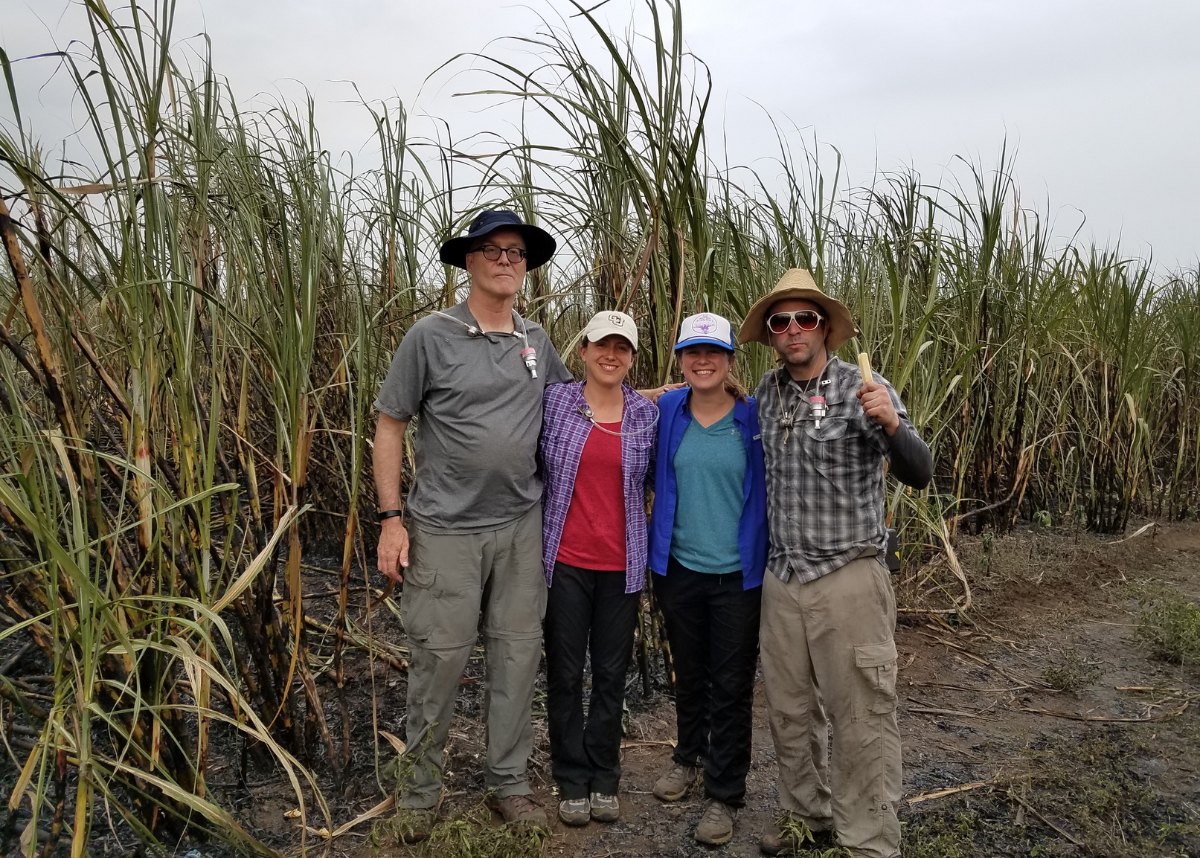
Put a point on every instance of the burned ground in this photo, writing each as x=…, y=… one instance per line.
x=1041, y=723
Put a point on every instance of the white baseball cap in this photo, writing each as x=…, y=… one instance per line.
x=609, y=322
x=705, y=328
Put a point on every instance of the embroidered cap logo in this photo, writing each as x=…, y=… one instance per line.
x=705, y=325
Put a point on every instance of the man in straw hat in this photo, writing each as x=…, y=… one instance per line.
x=828, y=614
x=474, y=374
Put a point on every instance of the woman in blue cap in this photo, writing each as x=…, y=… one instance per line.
x=708, y=546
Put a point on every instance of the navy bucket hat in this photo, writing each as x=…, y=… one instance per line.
x=539, y=244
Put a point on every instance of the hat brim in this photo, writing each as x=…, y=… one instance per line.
x=539, y=245
x=839, y=323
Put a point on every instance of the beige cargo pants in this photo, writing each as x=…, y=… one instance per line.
x=829, y=665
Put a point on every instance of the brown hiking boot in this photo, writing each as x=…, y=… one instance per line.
x=791, y=834
x=414, y=824
x=716, y=825
x=519, y=808
x=675, y=782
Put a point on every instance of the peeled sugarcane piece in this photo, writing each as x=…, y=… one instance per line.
x=864, y=366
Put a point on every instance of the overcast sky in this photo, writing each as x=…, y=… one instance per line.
x=1099, y=99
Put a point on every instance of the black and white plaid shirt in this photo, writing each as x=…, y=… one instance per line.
x=825, y=477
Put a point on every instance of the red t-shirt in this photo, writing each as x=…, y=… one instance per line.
x=594, y=533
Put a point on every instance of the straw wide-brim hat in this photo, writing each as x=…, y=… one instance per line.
x=798, y=283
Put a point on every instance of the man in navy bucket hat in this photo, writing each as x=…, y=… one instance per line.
x=467, y=546
x=539, y=244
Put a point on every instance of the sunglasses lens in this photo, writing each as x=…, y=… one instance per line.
x=806, y=320
x=777, y=323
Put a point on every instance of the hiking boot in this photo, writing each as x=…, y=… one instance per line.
x=575, y=811
x=674, y=784
x=519, y=808
x=791, y=834
x=605, y=808
x=414, y=824
x=716, y=824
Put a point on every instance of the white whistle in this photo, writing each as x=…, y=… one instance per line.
x=818, y=409
x=529, y=355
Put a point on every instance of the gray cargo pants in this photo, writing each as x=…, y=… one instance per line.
x=452, y=580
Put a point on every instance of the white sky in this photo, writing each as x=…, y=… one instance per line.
x=1099, y=98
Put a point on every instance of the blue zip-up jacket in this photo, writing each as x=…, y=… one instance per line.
x=673, y=421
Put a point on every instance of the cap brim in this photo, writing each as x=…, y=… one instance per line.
x=700, y=341
x=597, y=336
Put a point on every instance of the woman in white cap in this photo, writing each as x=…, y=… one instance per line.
x=596, y=446
x=708, y=547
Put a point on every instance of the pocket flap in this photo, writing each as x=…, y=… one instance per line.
x=875, y=655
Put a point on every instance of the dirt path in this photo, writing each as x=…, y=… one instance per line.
x=1047, y=723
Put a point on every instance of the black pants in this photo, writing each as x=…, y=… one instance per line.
x=712, y=627
x=587, y=611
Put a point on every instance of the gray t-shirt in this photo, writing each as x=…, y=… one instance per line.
x=478, y=417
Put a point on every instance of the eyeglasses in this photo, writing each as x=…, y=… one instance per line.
x=492, y=253
x=806, y=320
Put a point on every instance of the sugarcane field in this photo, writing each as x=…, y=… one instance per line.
x=316, y=457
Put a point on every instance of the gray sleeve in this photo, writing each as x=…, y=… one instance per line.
x=912, y=463
x=555, y=370
x=404, y=386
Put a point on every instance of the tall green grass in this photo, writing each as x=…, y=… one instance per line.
x=193, y=330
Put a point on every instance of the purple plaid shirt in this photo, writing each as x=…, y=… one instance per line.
x=565, y=429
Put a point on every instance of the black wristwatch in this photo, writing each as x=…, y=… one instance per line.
x=388, y=513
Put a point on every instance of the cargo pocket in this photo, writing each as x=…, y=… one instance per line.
x=877, y=664
x=419, y=577
x=419, y=602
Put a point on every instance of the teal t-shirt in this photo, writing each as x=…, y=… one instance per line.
x=710, y=468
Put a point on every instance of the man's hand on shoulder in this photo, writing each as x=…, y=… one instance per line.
x=877, y=404
x=393, y=549
x=653, y=393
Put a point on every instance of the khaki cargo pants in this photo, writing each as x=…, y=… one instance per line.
x=829, y=665
x=453, y=580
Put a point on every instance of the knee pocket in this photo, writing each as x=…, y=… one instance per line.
x=876, y=664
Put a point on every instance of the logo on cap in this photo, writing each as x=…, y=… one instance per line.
x=615, y=319
x=706, y=325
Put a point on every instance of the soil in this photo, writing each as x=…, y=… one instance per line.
x=1108, y=767
x=1039, y=723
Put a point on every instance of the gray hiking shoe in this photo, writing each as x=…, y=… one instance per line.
x=716, y=824
x=674, y=783
x=575, y=811
x=605, y=808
